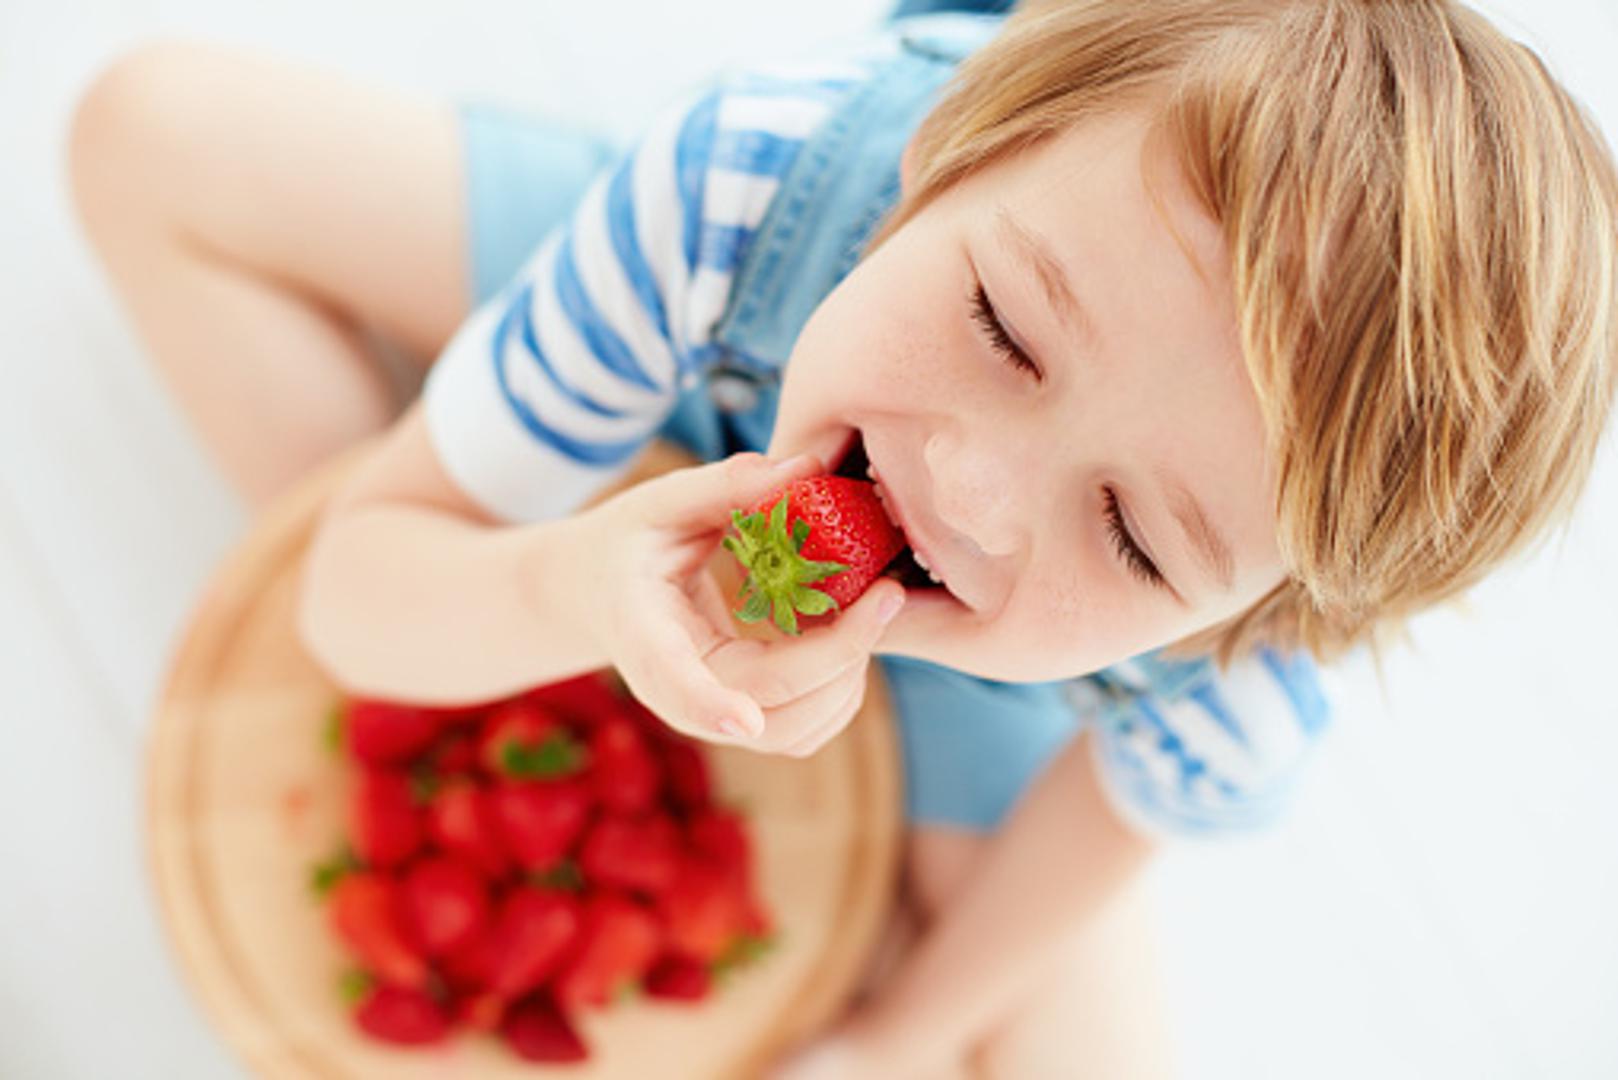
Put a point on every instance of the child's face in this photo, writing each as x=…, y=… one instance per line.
x=999, y=471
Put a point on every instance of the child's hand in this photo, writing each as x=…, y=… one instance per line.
x=634, y=577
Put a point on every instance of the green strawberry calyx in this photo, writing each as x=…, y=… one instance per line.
x=778, y=576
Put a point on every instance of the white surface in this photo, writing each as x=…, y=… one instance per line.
x=1438, y=907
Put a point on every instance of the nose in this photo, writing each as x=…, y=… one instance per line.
x=975, y=490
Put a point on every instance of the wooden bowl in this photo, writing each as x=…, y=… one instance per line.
x=243, y=797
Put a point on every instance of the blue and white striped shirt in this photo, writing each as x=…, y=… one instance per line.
x=551, y=387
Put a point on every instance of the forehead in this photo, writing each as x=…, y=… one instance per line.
x=1111, y=185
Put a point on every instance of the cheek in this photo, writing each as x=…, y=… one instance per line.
x=1076, y=607
x=885, y=331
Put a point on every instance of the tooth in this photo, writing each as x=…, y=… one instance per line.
x=921, y=562
x=882, y=497
x=936, y=579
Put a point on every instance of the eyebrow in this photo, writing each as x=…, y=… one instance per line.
x=1211, y=548
x=1038, y=261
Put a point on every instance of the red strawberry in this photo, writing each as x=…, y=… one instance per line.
x=720, y=836
x=538, y=1031
x=407, y=1017
x=468, y=968
x=632, y=853
x=455, y=753
x=829, y=532
x=705, y=910
x=687, y=771
x=366, y=912
x=623, y=769
x=522, y=740
x=582, y=700
x=534, y=932
x=539, y=821
x=461, y=821
x=677, y=978
x=446, y=904
x=384, y=823
x=385, y=733
x=480, y=1011
x=649, y=724
x=618, y=944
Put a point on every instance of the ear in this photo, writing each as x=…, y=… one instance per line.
x=907, y=166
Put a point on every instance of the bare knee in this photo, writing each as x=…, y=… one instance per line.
x=938, y=862
x=130, y=126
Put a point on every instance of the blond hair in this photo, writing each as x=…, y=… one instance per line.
x=1420, y=223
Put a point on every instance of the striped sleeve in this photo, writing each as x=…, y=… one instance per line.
x=552, y=386
x=1221, y=755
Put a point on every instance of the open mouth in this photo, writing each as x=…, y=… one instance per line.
x=856, y=465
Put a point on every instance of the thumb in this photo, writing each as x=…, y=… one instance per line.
x=705, y=495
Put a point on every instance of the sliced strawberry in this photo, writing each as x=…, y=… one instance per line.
x=538, y=1031
x=367, y=914
x=689, y=783
x=534, y=932
x=384, y=822
x=813, y=546
x=618, y=944
x=641, y=854
x=405, y=1017
x=623, y=769
x=461, y=821
x=446, y=903
x=386, y=733
x=540, y=820
x=677, y=978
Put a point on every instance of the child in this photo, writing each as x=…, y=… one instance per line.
x=1191, y=341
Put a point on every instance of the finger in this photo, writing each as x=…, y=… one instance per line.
x=665, y=670
x=706, y=494
x=813, y=718
x=782, y=671
x=833, y=724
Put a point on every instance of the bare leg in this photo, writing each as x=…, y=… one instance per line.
x=1102, y=1012
x=259, y=220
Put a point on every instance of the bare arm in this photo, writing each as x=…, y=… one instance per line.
x=1058, y=862
x=410, y=591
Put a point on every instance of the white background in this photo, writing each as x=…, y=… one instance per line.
x=1439, y=906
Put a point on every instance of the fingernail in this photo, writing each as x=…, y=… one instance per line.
x=732, y=728
x=889, y=607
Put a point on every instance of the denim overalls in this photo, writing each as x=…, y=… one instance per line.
x=971, y=746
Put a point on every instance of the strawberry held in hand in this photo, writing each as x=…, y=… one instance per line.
x=813, y=546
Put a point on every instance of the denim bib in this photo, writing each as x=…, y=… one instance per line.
x=839, y=187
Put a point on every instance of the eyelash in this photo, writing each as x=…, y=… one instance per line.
x=1134, y=558
x=983, y=313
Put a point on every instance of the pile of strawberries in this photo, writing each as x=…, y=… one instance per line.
x=512, y=863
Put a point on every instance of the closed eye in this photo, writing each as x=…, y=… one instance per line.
x=994, y=330
x=1139, y=563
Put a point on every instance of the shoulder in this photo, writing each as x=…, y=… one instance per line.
x=1188, y=749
